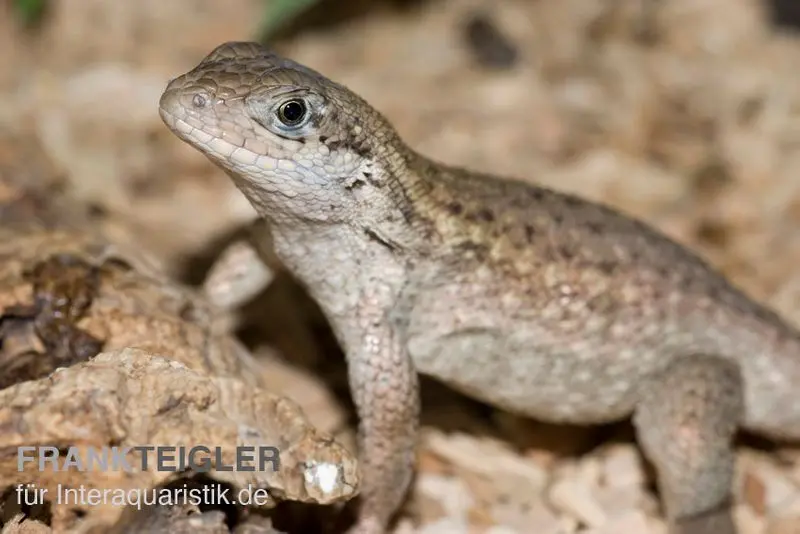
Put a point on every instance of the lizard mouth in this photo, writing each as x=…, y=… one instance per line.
x=167, y=117
x=210, y=140
x=169, y=106
x=169, y=109
x=189, y=125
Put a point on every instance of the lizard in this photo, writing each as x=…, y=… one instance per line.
x=532, y=300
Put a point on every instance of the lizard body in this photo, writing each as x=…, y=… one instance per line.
x=532, y=300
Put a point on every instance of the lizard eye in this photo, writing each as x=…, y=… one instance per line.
x=292, y=112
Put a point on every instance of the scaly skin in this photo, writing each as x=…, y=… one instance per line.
x=534, y=301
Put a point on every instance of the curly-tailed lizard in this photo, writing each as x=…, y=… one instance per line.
x=531, y=300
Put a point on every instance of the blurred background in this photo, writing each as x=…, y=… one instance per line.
x=685, y=113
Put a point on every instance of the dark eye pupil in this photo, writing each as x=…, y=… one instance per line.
x=292, y=112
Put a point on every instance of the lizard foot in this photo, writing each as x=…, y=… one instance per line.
x=685, y=420
x=715, y=522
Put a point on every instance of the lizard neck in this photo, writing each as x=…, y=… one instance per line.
x=403, y=221
x=339, y=265
x=390, y=197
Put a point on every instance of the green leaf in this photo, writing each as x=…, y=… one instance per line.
x=280, y=12
x=29, y=12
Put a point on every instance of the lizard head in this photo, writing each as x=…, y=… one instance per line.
x=297, y=144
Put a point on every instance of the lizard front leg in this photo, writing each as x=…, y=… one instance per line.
x=385, y=389
x=243, y=269
x=686, y=420
x=237, y=276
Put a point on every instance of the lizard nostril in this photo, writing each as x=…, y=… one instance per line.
x=199, y=101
